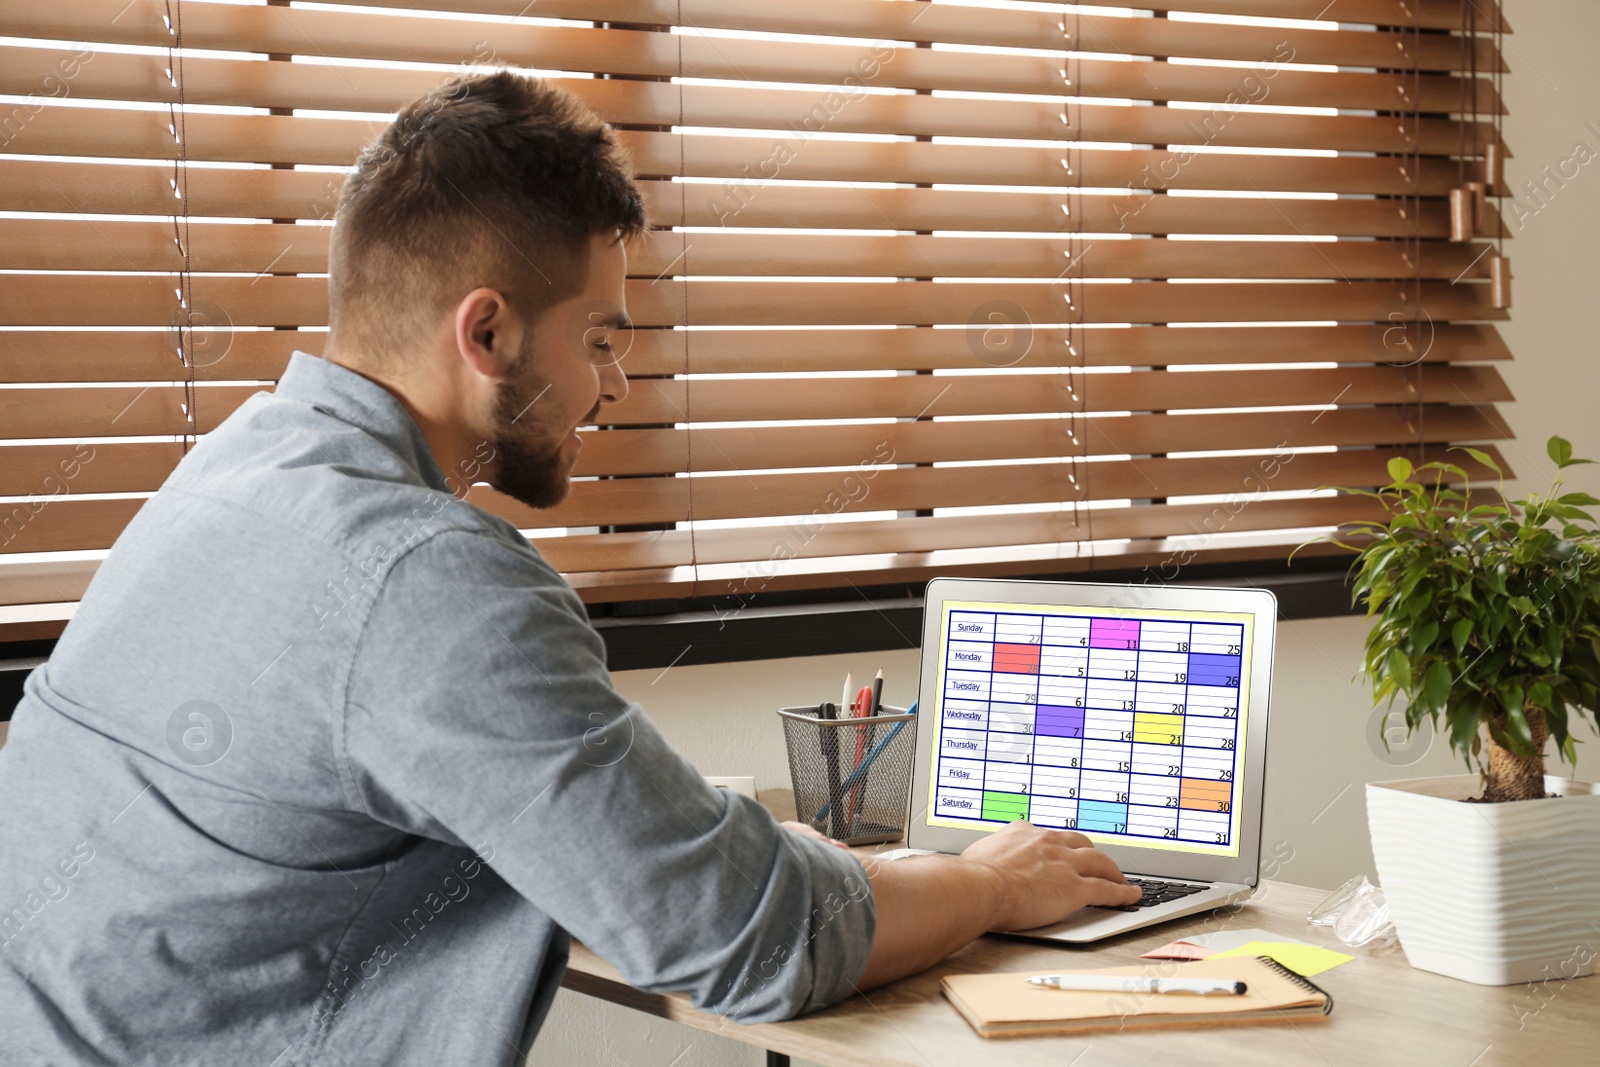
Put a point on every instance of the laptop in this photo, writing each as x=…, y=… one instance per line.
x=1135, y=715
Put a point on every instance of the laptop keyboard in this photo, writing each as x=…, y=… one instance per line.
x=1155, y=892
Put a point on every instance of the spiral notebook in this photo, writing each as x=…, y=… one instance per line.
x=1005, y=1005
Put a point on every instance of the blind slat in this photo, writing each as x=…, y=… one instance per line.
x=41, y=300
x=125, y=355
x=346, y=87
x=284, y=139
x=70, y=244
x=137, y=467
x=69, y=524
x=36, y=186
x=1002, y=27
x=589, y=552
x=648, y=500
x=359, y=35
x=137, y=410
x=617, y=561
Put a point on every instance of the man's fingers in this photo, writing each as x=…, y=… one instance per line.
x=1101, y=891
x=1092, y=863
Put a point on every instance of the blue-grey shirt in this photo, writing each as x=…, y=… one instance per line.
x=328, y=766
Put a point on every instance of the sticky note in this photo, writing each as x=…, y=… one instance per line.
x=1179, y=950
x=1305, y=960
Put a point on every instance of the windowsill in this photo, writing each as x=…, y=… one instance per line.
x=879, y=618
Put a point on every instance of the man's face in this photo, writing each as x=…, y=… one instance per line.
x=569, y=364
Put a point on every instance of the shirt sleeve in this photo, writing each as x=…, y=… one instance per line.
x=479, y=711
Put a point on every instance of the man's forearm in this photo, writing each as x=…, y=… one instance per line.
x=927, y=907
x=1018, y=878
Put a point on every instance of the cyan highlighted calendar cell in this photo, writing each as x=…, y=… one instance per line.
x=1004, y=807
x=1102, y=815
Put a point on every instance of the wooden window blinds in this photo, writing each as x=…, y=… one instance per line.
x=929, y=288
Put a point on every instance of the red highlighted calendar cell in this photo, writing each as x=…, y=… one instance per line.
x=1016, y=659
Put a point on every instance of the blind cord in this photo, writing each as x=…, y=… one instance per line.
x=688, y=390
x=180, y=223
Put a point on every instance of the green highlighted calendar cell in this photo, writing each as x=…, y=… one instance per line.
x=1005, y=807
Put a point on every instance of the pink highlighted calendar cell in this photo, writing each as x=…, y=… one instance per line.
x=1114, y=633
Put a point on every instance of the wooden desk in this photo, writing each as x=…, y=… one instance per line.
x=1385, y=1012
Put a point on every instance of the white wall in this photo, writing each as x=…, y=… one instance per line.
x=1553, y=91
x=1321, y=751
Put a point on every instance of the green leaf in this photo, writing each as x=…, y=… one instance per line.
x=1460, y=632
x=1436, y=685
x=1398, y=666
x=1518, y=732
x=1400, y=467
x=1464, y=727
x=1482, y=457
x=1423, y=636
x=1560, y=450
x=1581, y=499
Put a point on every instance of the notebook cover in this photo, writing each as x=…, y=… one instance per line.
x=1005, y=1005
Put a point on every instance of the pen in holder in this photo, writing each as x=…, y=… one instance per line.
x=859, y=803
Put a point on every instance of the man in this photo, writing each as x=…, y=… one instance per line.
x=328, y=765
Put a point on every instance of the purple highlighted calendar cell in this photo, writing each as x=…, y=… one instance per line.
x=1114, y=633
x=1207, y=668
x=1052, y=721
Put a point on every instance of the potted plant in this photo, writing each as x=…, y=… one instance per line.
x=1487, y=614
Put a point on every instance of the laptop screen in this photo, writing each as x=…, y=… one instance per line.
x=1125, y=724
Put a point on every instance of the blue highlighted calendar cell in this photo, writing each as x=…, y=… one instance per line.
x=1127, y=725
x=1207, y=668
x=1103, y=816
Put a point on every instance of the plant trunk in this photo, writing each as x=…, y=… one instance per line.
x=1514, y=777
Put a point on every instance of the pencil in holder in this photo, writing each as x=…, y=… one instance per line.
x=852, y=777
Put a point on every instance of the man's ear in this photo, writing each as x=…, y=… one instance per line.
x=488, y=334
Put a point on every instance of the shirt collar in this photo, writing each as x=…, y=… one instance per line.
x=363, y=403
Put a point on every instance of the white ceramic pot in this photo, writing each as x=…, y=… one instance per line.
x=1495, y=894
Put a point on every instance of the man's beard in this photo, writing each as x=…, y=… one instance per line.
x=531, y=471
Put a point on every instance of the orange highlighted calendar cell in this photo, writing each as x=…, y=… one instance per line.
x=1204, y=794
x=1016, y=659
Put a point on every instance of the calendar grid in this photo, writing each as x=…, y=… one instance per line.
x=1119, y=726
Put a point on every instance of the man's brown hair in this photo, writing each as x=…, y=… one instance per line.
x=495, y=180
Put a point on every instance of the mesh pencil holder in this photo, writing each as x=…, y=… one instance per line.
x=851, y=777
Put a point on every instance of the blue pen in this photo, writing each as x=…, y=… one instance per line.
x=866, y=762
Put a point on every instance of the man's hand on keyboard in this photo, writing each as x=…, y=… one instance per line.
x=1042, y=876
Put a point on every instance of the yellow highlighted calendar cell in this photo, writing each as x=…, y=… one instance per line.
x=1152, y=729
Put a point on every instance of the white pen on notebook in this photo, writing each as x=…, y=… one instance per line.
x=1086, y=983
